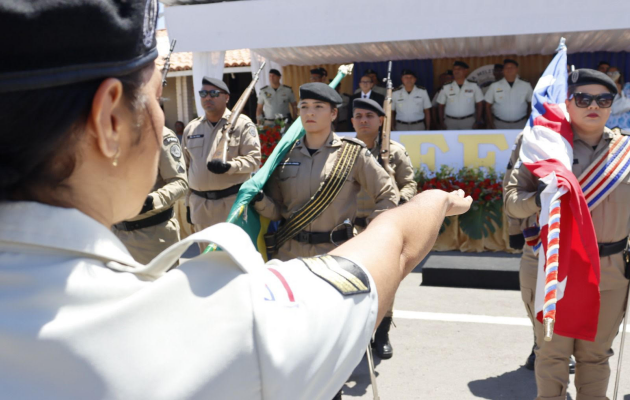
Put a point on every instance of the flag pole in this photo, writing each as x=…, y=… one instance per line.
x=623, y=335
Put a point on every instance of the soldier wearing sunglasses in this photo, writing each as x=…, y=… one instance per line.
x=214, y=183
x=589, y=101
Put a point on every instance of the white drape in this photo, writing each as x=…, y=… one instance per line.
x=257, y=60
x=207, y=63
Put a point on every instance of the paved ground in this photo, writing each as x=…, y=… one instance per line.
x=460, y=344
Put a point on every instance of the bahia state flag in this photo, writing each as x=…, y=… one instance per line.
x=242, y=213
x=567, y=290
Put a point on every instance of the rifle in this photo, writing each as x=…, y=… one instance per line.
x=167, y=62
x=387, y=124
x=236, y=111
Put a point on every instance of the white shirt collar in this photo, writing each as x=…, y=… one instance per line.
x=366, y=95
x=32, y=225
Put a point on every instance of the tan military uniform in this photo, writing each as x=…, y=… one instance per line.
x=509, y=103
x=202, y=143
x=403, y=175
x=299, y=177
x=276, y=102
x=459, y=104
x=410, y=108
x=611, y=219
x=146, y=243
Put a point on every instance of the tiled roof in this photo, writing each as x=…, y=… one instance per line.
x=183, y=61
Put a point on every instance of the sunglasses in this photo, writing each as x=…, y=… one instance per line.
x=583, y=100
x=213, y=93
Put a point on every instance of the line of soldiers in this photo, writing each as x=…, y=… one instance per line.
x=210, y=185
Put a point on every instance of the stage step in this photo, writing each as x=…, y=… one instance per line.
x=471, y=270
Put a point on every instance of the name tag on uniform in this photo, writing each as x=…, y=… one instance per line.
x=400, y=100
x=417, y=97
x=168, y=140
x=468, y=91
x=290, y=163
x=518, y=164
x=499, y=90
x=195, y=136
x=451, y=94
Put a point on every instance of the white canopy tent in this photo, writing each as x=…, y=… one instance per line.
x=292, y=32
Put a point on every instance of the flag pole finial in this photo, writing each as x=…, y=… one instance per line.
x=562, y=45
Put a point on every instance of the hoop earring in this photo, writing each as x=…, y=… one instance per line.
x=115, y=162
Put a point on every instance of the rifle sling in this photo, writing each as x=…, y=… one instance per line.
x=324, y=197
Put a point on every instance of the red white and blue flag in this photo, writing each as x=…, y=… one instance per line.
x=568, y=268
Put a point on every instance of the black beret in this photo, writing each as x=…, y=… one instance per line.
x=320, y=91
x=510, y=61
x=275, y=72
x=498, y=66
x=323, y=72
x=585, y=76
x=368, y=104
x=460, y=64
x=317, y=71
x=408, y=72
x=216, y=83
x=54, y=43
x=603, y=63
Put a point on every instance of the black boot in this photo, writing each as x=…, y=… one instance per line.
x=381, y=340
x=531, y=360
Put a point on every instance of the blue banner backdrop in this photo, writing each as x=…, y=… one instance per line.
x=620, y=60
x=422, y=68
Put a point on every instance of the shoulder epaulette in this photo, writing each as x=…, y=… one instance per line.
x=264, y=87
x=288, y=86
x=398, y=88
x=355, y=141
x=422, y=87
x=524, y=80
x=468, y=80
x=196, y=119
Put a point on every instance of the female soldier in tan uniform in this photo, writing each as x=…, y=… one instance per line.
x=611, y=219
x=305, y=169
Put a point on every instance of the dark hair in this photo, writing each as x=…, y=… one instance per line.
x=39, y=132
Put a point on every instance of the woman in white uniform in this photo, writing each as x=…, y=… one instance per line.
x=79, y=318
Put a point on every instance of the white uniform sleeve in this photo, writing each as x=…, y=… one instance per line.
x=309, y=337
x=394, y=99
x=426, y=99
x=530, y=93
x=261, y=99
x=478, y=94
x=490, y=95
x=441, y=99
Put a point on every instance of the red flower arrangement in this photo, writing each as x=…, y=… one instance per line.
x=269, y=138
x=485, y=188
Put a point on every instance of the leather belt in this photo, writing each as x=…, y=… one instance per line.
x=361, y=221
x=468, y=116
x=217, y=194
x=609, y=249
x=410, y=123
x=508, y=122
x=322, y=237
x=146, y=222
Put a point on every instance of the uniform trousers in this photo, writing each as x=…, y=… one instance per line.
x=420, y=126
x=146, y=243
x=205, y=213
x=459, y=124
x=592, y=370
x=510, y=125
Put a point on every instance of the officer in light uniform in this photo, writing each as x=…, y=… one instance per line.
x=508, y=101
x=213, y=183
x=411, y=105
x=611, y=219
x=460, y=101
x=80, y=318
x=275, y=100
x=156, y=227
x=367, y=121
x=307, y=165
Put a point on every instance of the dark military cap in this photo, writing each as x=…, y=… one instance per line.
x=585, y=76
x=320, y=91
x=215, y=82
x=323, y=71
x=510, y=61
x=603, y=63
x=408, y=72
x=498, y=66
x=317, y=71
x=56, y=43
x=368, y=104
x=275, y=72
x=449, y=72
x=460, y=64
